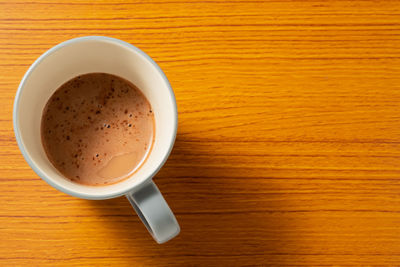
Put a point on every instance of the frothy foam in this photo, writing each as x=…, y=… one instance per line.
x=97, y=129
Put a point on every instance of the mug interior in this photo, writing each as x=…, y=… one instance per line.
x=85, y=55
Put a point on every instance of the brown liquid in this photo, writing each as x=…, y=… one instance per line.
x=97, y=129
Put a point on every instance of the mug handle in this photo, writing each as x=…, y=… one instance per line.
x=154, y=212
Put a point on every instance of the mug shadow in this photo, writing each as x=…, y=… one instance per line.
x=222, y=219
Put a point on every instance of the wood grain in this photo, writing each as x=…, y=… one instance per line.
x=288, y=148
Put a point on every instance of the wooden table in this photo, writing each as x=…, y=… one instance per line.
x=288, y=148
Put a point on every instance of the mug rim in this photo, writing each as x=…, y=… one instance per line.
x=42, y=174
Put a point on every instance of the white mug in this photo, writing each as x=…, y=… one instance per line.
x=101, y=54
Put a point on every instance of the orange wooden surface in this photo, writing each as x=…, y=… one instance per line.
x=288, y=148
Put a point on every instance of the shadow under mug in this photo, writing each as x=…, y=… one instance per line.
x=101, y=54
